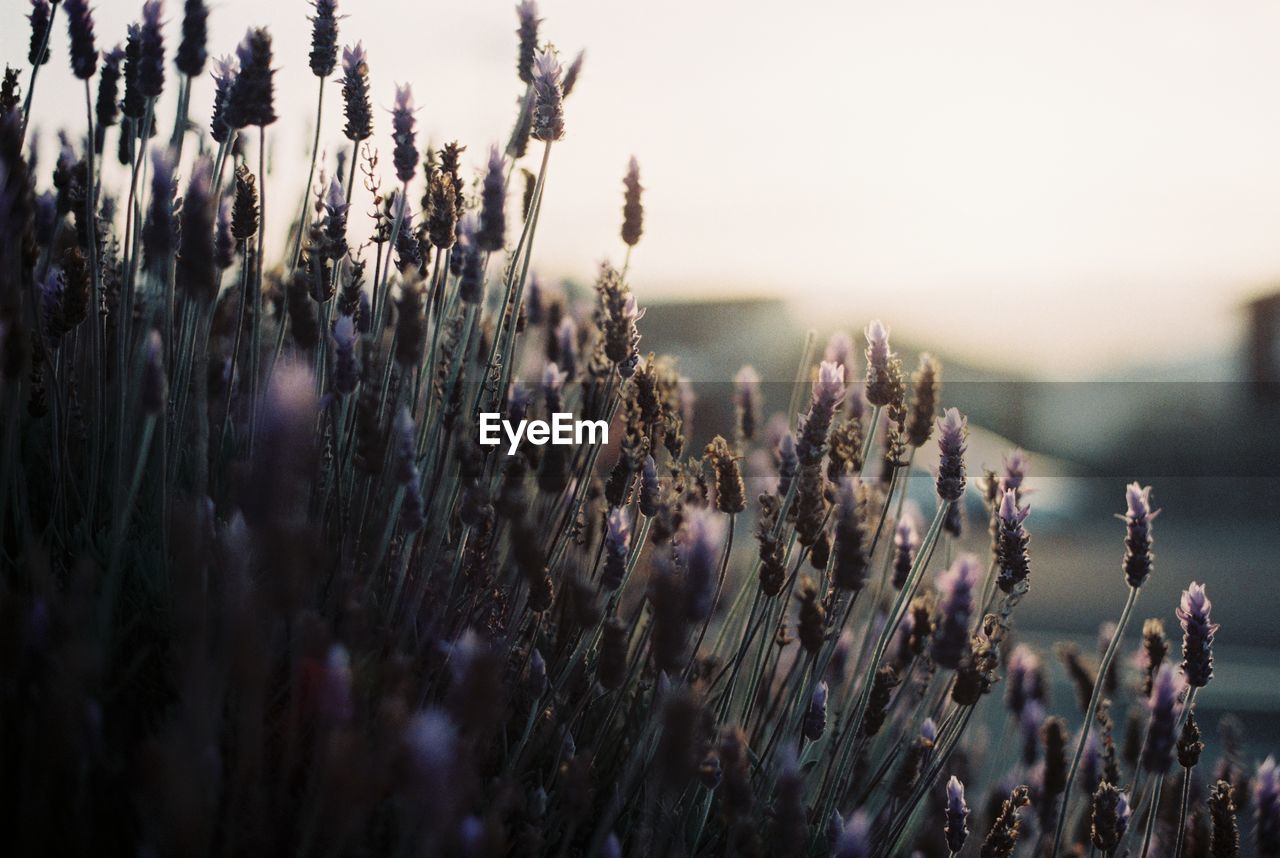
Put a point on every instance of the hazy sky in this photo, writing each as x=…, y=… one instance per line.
x=1054, y=186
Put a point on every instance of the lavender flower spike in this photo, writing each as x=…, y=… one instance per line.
x=617, y=545
x=879, y=383
x=1011, y=543
x=151, y=50
x=491, y=236
x=153, y=394
x=527, y=12
x=1110, y=819
x=952, y=429
x=1138, y=557
x=1267, y=799
x=828, y=390
x=957, y=816
x=548, y=98
x=1157, y=753
x=906, y=542
x=854, y=839
x=84, y=56
x=355, y=93
x=192, y=51
x=700, y=550
x=324, y=38
x=746, y=386
x=955, y=587
x=1197, y=635
x=814, y=723
x=251, y=100
x=405, y=153
x=346, y=370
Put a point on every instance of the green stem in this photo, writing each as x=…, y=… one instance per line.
x=1090, y=712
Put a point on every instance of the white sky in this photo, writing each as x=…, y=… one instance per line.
x=1053, y=186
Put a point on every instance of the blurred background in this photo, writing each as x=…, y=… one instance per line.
x=1075, y=206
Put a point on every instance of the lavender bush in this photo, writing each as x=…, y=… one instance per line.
x=265, y=592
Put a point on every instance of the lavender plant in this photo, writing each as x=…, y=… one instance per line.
x=264, y=590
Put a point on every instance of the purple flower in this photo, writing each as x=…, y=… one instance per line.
x=153, y=394
x=333, y=703
x=1138, y=558
x=650, y=488
x=405, y=154
x=815, y=719
x=1197, y=635
x=553, y=379
x=854, y=839
x=192, y=55
x=406, y=468
x=158, y=233
x=224, y=241
x=251, y=100
x=567, y=346
x=195, y=271
x=952, y=429
x=699, y=551
x=572, y=74
x=84, y=55
x=851, y=562
x=335, y=222
x=879, y=383
x=548, y=98
x=929, y=731
x=151, y=50
x=527, y=13
x=617, y=545
x=828, y=390
x=956, y=828
x=632, y=208
x=955, y=588
x=41, y=17
x=1029, y=723
x=1011, y=542
x=788, y=463
x=1157, y=752
x=346, y=366
x=324, y=38
x=1015, y=471
x=746, y=387
x=491, y=236
x=840, y=351
x=225, y=71
x=906, y=542
x=355, y=93
x=1267, y=800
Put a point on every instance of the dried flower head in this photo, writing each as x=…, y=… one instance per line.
x=491, y=235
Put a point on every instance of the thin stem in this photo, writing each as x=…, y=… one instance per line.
x=1090, y=712
x=35, y=70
